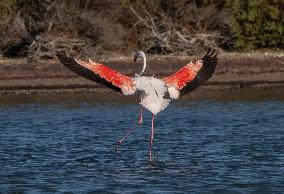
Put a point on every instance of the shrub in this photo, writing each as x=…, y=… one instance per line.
x=257, y=23
x=6, y=7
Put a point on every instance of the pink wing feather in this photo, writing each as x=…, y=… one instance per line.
x=100, y=74
x=194, y=74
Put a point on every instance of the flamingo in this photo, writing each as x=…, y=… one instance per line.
x=155, y=94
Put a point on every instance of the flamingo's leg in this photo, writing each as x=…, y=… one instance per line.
x=141, y=115
x=119, y=142
x=151, y=138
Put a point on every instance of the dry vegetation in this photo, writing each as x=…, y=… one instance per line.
x=39, y=28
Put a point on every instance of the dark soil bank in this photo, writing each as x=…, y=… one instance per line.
x=234, y=70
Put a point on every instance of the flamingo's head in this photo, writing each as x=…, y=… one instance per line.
x=139, y=54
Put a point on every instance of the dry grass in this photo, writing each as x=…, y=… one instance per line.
x=88, y=28
x=178, y=27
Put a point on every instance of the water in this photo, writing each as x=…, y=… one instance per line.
x=222, y=146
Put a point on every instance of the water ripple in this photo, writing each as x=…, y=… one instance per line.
x=199, y=146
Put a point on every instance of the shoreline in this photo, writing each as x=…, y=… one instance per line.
x=234, y=70
x=80, y=97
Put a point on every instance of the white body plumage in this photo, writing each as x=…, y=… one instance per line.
x=152, y=92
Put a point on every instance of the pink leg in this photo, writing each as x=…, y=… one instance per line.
x=119, y=142
x=141, y=115
x=151, y=138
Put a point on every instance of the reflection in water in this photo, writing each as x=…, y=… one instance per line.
x=66, y=143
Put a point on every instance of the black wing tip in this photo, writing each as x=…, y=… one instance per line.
x=210, y=59
x=65, y=60
x=61, y=56
x=211, y=53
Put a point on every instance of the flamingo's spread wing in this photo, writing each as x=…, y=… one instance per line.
x=100, y=74
x=193, y=75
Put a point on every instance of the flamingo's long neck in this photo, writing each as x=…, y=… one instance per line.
x=144, y=65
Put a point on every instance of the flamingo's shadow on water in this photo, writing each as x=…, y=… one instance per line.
x=173, y=167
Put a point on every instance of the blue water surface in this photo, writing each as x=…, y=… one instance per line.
x=200, y=146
